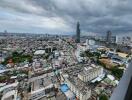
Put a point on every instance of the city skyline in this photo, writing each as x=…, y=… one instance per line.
x=65, y=50
x=60, y=17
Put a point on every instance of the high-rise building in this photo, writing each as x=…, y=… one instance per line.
x=90, y=73
x=108, y=37
x=124, y=40
x=78, y=33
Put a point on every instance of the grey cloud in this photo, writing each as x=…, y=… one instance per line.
x=94, y=15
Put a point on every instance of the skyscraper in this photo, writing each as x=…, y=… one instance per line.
x=78, y=33
x=108, y=37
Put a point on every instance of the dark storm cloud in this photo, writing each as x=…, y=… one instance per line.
x=61, y=15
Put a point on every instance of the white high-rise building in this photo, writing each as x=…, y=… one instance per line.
x=89, y=73
x=79, y=88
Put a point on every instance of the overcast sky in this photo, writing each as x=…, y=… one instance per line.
x=61, y=16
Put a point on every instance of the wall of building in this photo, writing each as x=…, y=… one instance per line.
x=91, y=75
x=79, y=94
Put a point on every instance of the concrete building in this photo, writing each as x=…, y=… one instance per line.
x=79, y=51
x=90, y=73
x=70, y=95
x=41, y=86
x=113, y=39
x=117, y=59
x=124, y=40
x=108, y=37
x=78, y=33
x=9, y=92
x=77, y=78
x=79, y=88
x=40, y=93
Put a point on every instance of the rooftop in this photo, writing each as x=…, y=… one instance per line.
x=80, y=85
x=87, y=70
x=39, y=52
x=69, y=94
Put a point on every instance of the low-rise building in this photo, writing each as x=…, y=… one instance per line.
x=9, y=92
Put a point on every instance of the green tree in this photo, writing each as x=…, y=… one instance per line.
x=82, y=54
x=117, y=72
x=97, y=54
x=103, y=97
x=89, y=54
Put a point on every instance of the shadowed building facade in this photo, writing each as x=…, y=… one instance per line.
x=108, y=37
x=78, y=33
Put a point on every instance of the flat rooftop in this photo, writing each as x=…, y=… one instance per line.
x=89, y=69
x=80, y=85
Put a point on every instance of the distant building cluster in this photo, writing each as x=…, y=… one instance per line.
x=124, y=40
